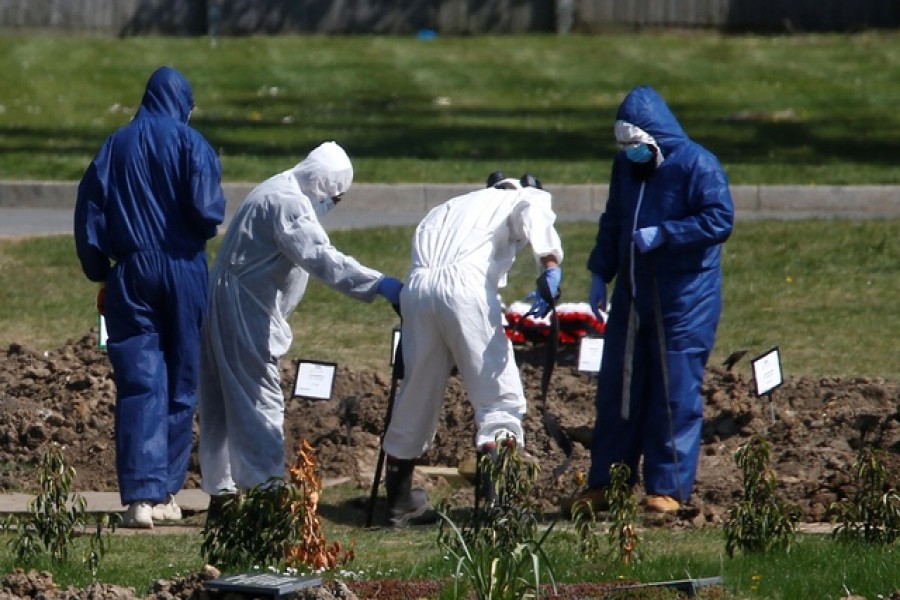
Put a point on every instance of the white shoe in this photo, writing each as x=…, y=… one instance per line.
x=138, y=515
x=167, y=511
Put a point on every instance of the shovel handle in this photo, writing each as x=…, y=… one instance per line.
x=396, y=376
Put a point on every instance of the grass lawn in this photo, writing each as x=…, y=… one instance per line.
x=817, y=567
x=823, y=291
x=813, y=109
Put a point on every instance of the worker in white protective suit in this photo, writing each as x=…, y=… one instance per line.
x=461, y=254
x=272, y=246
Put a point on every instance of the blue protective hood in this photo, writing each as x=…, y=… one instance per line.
x=154, y=185
x=645, y=108
x=169, y=94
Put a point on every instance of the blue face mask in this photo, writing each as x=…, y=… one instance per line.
x=639, y=153
x=323, y=207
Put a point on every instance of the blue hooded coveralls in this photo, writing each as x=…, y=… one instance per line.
x=687, y=196
x=146, y=206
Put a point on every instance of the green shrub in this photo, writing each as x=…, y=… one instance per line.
x=55, y=516
x=873, y=514
x=273, y=525
x=622, y=535
x=759, y=522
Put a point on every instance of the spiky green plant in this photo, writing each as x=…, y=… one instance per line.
x=497, y=552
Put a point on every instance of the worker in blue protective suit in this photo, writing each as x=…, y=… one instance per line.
x=146, y=206
x=273, y=244
x=668, y=213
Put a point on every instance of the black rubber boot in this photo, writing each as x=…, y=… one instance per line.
x=406, y=505
x=216, y=508
x=486, y=490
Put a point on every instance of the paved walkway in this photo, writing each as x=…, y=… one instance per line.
x=190, y=501
x=196, y=501
x=30, y=208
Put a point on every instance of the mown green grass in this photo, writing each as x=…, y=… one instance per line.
x=824, y=292
x=132, y=560
x=817, y=567
x=812, y=109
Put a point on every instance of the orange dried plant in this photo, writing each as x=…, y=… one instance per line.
x=311, y=548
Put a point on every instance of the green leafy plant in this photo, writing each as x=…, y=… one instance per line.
x=512, y=515
x=274, y=525
x=55, y=516
x=497, y=551
x=873, y=514
x=584, y=522
x=254, y=529
x=622, y=535
x=760, y=521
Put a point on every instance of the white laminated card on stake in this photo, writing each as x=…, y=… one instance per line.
x=102, y=336
x=590, y=353
x=395, y=342
x=315, y=379
x=767, y=375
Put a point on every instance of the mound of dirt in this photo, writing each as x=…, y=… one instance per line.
x=68, y=396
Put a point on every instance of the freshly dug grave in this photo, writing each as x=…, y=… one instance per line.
x=67, y=396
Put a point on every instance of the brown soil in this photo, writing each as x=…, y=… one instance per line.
x=67, y=396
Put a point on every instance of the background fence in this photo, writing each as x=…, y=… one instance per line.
x=449, y=17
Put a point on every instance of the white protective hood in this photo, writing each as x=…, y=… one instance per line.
x=325, y=173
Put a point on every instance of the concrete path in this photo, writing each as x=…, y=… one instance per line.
x=190, y=501
x=196, y=501
x=29, y=208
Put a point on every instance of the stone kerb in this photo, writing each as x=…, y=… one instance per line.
x=856, y=202
x=38, y=194
x=816, y=202
x=386, y=198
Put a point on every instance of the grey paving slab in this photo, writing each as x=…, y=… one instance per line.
x=189, y=500
x=193, y=500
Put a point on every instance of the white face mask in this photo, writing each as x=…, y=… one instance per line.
x=323, y=207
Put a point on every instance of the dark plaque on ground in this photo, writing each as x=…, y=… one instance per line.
x=263, y=584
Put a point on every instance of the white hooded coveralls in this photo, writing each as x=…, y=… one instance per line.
x=461, y=254
x=259, y=276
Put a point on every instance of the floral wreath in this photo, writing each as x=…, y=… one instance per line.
x=576, y=320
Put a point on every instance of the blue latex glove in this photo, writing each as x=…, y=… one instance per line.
x=597, y=297
x=541, y=306
x=648, y=238
x=390, y=287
